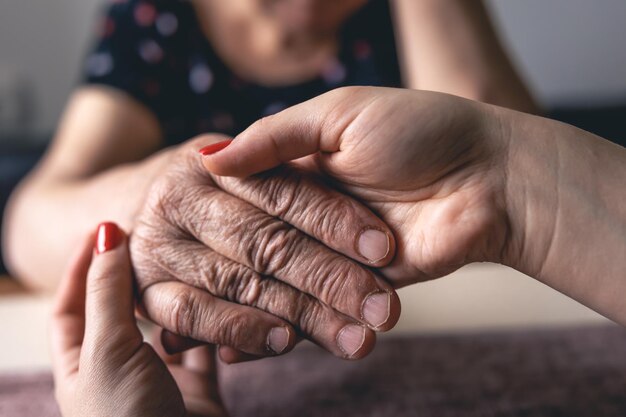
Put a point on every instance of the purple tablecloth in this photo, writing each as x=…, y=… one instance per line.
x=567, y=372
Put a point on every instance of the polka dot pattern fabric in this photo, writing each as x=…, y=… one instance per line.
x=156, y=52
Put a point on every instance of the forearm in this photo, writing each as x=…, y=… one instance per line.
x=47, y=216
x=567, y=199
x=451, y=46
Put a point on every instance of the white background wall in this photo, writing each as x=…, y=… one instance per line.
x=568, y=49
x=43, y=40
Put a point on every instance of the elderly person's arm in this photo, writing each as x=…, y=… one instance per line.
x=94, y=170
x=462, y=182
x=265, y=272
x=451, y=46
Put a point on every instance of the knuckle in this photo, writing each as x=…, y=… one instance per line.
x=302, y=310
x=280, y=193
x=195, y=208
x=335, y=283
x=262, y=124
x=237, y=283
x=307, y=314
x=184, y=314
x=282, y=300
x=274, y=247
x=163, y=199
x=232, y=327
x=150, y=250
x=176, y=191
x=330, y=218
x=183, y=208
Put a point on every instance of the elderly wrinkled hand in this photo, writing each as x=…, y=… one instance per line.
x=252, y=264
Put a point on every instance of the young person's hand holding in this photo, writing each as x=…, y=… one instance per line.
x=422, y=161
x=101, y=365
x=461, y=182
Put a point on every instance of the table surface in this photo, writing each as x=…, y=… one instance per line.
x=573, y=372
x=476, y=298
x=24, y=326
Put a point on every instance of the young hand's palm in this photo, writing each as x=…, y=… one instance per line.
x=435, y=184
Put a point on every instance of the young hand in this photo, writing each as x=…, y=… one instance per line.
x=101, y=365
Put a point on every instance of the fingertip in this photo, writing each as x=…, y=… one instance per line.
x=231, y=356
x=394, y=311
x=257, y=149
x=376, y=246
x=225, y=159
x=110, y=296
x=355, y=341
x=174, y=344
x=280, y=340
x=381, y=309
x=214, y=148
x=391, y=252
x=220, y=166
x=368, y=346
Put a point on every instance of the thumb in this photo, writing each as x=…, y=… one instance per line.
x=109, y=304
x=307, y=128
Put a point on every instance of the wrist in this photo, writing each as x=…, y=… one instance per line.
x=566, y=210
x=531, y=191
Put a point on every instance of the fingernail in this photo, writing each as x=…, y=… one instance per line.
x=173, y=344
x=350, y=339
x=373, y=245
x=278, y=339
x=108, y=237
x=215, y=147
x=376, y=309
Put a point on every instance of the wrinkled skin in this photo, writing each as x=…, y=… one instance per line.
x=431, y=165
x=214, y=268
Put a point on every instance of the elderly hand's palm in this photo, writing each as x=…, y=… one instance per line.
x=249, y=274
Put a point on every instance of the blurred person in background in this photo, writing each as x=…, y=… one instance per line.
x=162, y=72
x=458, y=181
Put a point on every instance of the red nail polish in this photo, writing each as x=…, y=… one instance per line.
x=109, y=236
x=215, y=147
